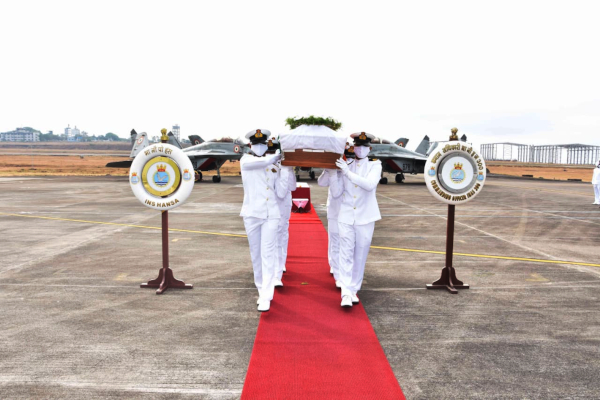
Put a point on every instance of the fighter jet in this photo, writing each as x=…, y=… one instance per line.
x=138, y=142
x=396, y=159
x=205, y=156
x=211, y=155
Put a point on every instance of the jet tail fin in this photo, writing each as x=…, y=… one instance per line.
x=133, y=136
x=173, y=140
x=423, y=146
x=402, y=142
x=141, y=141
x=195, y=139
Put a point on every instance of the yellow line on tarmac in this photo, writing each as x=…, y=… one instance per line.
x=373, y=247
x=491, y=257
x=117, y=224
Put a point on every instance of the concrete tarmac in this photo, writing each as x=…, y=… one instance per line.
x=77, y=325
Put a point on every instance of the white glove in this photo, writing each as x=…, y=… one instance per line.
x=341, y=164
x=274, y=158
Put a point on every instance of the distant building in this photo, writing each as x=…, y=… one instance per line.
x=176, y=130
x=20, y=135
x=73, y=134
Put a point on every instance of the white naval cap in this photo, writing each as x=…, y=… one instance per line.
x=362, y=138
x=258, y=135
x=273, y=145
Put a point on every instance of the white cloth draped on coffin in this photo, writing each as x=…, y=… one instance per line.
x=314, y=137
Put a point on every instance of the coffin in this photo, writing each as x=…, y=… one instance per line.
x=312, y=146
x=309, y=159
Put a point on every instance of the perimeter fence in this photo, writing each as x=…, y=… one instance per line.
x=576, y=154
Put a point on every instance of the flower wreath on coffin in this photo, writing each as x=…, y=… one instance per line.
x=312, y=142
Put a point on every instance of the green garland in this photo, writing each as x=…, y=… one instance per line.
x=312, y=120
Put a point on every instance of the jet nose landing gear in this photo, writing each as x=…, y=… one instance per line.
x=399, y=178
x=383, y=181
x=216, y=179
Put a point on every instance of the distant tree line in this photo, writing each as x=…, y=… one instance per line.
x=51, y=137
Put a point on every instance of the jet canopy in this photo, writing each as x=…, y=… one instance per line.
x=223, y=140
x=381, y=141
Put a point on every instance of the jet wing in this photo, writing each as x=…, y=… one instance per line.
x=119, y=164
x=212, y=153
x=397, y=154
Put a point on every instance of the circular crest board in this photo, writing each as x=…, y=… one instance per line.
x=161, y=176
x=454, y=172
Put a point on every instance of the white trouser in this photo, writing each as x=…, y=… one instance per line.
x=597, y=192
x=262, y=238
x=355, y=241
x=283, y=237
x=333, y=252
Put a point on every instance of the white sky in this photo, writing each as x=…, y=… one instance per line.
x=521, y=71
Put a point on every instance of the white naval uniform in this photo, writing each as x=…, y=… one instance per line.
x=356, y=221
x=286, y=184
x=261, y=219
x=596, y=183
x=333, y=210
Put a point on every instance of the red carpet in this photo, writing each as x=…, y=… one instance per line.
x=307, y=346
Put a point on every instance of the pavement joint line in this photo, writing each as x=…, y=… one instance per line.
x=543, y=190
x=491, y=256
x=485, y=216
x=487, y=288
x=373, y=247
x=119, y=224
x=543, y=254
x=117, y=287
x=129, y=388
x=550, y=285
x=548, y=213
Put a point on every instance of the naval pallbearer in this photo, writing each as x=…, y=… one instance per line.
x=333, y=211
x=358, y=212
x=260, y=211
x=285, y=185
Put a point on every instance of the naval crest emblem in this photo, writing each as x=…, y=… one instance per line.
x=431, y=172
x=161, y=177
x=134, y=178
x=457, y=174
x=186, y=175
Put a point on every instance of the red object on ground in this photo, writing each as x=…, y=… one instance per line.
x=302, y=193
x=307, y=346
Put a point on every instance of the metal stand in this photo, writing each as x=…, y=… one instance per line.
x=165, y=277
x=448, y=279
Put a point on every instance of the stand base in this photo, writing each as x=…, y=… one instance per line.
x=448, y=281
x=164, y=281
